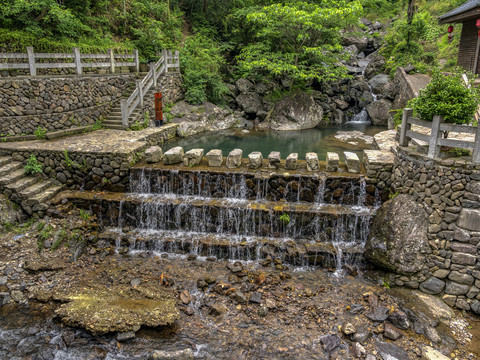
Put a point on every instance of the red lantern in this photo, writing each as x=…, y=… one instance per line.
x=450, y=29
x=450, y=33
x=478, y=26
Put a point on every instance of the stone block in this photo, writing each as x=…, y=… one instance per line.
x=153, y=154
x=429, y=353
x=312, y=161
x=333, y=161
x=274, y=160
x=291, y=162
x=234, y=158
x=456, y=289
x=469, y=219
x=460, y=278
x=256, y=159
x=173, y=156
x=193, y=157
x=449, y=299
x=353, y=162
x=432, y=286
x=215, y=158
x=463, y=259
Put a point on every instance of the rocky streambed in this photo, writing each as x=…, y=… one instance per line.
x=65, y=295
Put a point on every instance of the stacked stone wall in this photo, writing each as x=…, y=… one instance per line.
x=449, y=191
x=57, y=103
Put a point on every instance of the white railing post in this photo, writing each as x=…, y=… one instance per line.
x=78, y=60
x=137, y=62
x=165, y=60
x=177, y=60
x=140, y=92
x=433, y=148
x=124, y=110
x=407, y=114
x=112, y=61
x=476, y=147
x=154, y=74
x=31, y=61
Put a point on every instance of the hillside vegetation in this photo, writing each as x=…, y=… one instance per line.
x=227, y=39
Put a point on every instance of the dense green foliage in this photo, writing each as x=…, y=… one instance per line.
x=447, y=96
x=299, y=39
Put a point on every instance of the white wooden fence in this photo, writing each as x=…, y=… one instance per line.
x=169, y=59
x=110, y=60
x=435, y=140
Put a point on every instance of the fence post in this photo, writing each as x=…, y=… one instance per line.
x=476, y=147
x=137, y=62
x=31, y=61
x=112, y=61
x=154, y=74
x=123, y=108
x=177, y=59
x=406, y=126
x=433, y=148
x=78, y=60
x=165, y=60
x=140, y=92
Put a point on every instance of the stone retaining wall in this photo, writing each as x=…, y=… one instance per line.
x=57, y=103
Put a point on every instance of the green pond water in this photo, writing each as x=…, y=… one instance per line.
x=319, y=140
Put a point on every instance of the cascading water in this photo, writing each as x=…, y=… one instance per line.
x=309, y=220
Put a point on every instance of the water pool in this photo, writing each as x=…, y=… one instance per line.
x=318, y=140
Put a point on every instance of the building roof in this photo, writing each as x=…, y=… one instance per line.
x=465, y=7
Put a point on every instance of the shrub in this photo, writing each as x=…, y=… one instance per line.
x=33, y=166
x=40, y=133
x=447, y=95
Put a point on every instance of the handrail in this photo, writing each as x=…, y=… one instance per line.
x=129, y=105
x=435, y=139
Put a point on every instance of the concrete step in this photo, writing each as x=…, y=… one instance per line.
x=4, y=160
x=115, y=117
x=35, y=189
x=112, y=122
x=22, y=183
x=12, y=166
x=12, y=177
x=44, y=196
x=116, y=127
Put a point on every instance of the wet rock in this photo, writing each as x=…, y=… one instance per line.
x=186, y=354
x=348, y=328
x=193, y=157
x=432, y=335
x=256, y=159
x=234, y=158
x=185, y=297
x=399, y=319
x=330, y=342
x=390, y=351
x=377, y=313
x=379, y=112
x=429, y=353
x=398, y=238
x=358, y=351
x=312, y=161
x=297, y=111
x=125, y=336
x=391, y=332
x=217, y=309
x=375, y=66
x=215, y=158
x=378, y=82
x=352, y=161
x=173, y=156
x=256, y=298
x=291, y=162
x=250, y=103
x=153, y=154
x=361, y=336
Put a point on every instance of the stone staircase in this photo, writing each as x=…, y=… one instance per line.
x=114, y=119
x=32, y=193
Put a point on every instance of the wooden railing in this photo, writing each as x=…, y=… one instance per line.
x=435, y=140
x=168, y=60
x=110, y=60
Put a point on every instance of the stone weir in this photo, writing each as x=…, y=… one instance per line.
x=238, y=214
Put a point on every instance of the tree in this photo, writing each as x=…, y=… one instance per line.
x=299, y=39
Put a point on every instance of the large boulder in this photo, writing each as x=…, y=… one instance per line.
x=243, y=85
x=206, y=117
x=297, y=111
x=379, y=112
x=376, y=65
x=398, y=237
x=378, y=82
x=251, y=103
x=361, y=42
x=8, y=214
